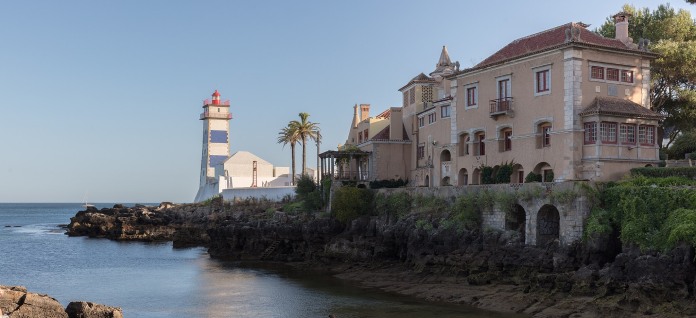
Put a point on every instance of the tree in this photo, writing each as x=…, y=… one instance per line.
x=305, y=130
x=672, y=35
x=288, y=135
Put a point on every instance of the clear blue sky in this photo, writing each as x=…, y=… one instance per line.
x=103, y=97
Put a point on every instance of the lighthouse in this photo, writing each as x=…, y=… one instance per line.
x=216, y=143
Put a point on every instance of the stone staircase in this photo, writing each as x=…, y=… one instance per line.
x=269, y=251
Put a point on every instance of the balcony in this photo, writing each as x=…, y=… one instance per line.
x=210, y=102
x=206, y=115
x=502, y=106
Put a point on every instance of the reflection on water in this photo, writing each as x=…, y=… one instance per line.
x=153, y=280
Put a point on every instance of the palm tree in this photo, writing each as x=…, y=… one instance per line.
x=305, y=130
x=288, y=135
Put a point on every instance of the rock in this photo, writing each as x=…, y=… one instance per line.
x=83, y=309
x=18, y=303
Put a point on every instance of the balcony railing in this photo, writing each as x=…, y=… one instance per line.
x=501, y=106
x=205, y=115
x=212, y=102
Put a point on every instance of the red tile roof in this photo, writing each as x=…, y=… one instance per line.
x=566, y=34
x=618, y=107
x=420, y=78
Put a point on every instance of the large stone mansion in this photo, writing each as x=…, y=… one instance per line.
x=564, y=103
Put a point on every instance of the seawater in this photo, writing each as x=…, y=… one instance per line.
x=152, y=280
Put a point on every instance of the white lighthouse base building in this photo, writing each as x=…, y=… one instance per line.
x=244, y=175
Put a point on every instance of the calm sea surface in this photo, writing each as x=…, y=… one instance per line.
x=154, y=280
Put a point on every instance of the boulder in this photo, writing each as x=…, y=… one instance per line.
x=81, y=309
x=18, y=303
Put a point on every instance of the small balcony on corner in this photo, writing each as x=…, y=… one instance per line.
x=502, y=106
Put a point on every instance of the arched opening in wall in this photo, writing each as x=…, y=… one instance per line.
x=463, y=142
x=517, y=174
x=361, y=186
x=445, y=156
x=505, y=139
x=445, y=181
x=426, y=182
x=543, y=169
x=515, y=220
x=548, y=225
x=476, y=176
x=648, y=165
x=462, y=177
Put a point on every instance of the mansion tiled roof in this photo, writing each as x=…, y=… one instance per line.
x=385, y=114
x=420, y=78
x=618, y=107
x=563, y=35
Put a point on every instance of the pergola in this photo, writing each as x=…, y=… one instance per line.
x=337, y=171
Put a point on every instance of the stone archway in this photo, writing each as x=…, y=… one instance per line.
x=476, y=176
x=463, y=177
x=427, y=181
x=515, y=220
x=445, y=181
x=548, y=225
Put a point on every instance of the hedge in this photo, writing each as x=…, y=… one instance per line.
x=652, y=172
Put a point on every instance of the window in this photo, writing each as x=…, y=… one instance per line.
x=421, y=152
x=421, y=121
x=471, y=96
x=507, y=140
x=445, y=111
x=590, y=133
x=646, y=135
x=628, y=134
x=627, y=76
x=607, y=132
x=405, y=98
x=612, y=74
x=543, y=81
x=412, y=95
x=479, y=145
x=431, y=118
x=504, y=88
x=360, y=137
x=597, y=72
x=545, y=135
x=463, y=144
x=365, y=134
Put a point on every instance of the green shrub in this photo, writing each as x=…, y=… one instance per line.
x=485, y=199
x=350, y=203
x=530, y=192
x=599, y=222
x=397, y=204
x=466, y=213
x=378, y=184
x=686, y=172
x=681, y=227
x=532, y=177
x=548, y=176
x=305, y=186
x=487, y=175
x=506, y=201
x=429, y=204
x=504, y=172
x=565, y=196
x=692, y=155
x=683, y=144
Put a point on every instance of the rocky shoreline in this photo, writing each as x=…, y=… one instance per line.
x=488, y=269
x=17, y=302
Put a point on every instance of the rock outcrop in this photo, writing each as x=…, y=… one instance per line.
x=16, y=302
x=488, y=269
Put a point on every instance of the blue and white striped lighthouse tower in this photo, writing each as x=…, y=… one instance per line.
x=216, y=144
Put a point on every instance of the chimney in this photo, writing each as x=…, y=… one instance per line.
x=355, y=116
x=621, y=22
x=396, y=124
x=364, y=111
